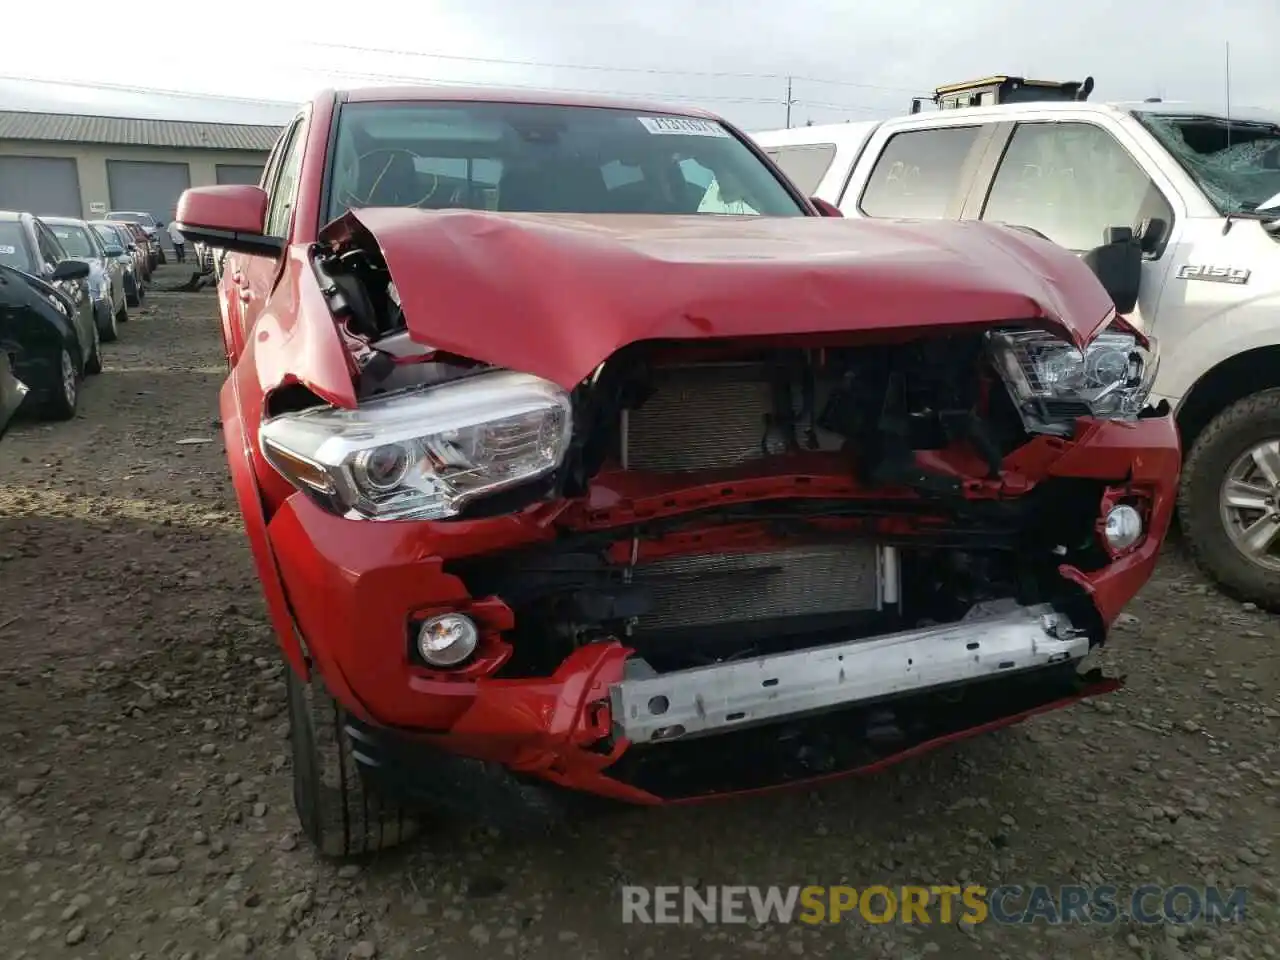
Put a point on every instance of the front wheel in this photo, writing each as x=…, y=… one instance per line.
x=341, y=814
x=107, y=322
x=64, y=398
x=1229, y=502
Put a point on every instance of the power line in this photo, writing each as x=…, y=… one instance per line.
x=497, y=61
x=710, y=98
x=129, y=88
x=850, y=83
x=651, y=71
x=423, y=81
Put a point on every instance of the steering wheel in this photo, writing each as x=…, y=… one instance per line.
x=350, y=199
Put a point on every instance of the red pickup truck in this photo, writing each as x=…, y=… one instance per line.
x=578, y=449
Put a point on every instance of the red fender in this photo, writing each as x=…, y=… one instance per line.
x=240, y=461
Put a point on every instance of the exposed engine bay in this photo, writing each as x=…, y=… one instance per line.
x=910, y=428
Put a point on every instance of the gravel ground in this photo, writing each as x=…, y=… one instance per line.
x=145, y=797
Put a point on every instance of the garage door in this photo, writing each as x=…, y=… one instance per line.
x=247, y=173
x=150, y=187
x=45, y=186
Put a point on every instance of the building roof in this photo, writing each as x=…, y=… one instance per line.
x=74, y=128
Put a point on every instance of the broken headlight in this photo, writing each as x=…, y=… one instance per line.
x=424, y=453
x=1052, y=382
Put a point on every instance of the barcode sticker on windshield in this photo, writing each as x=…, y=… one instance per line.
x=6, y=250
x=683, y=126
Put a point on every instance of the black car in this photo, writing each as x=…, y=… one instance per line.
x=12, y=392
x=46, y=314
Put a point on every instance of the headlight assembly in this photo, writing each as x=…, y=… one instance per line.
x=1052, y=383
x=424, y=453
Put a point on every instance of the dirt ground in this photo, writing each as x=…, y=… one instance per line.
x=145, y=796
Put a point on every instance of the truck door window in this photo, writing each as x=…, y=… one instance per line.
x=805, y=164
x=1071, y=181
x=286, y=186
x=918, y=173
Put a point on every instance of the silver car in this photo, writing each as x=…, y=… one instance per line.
x=106, y=273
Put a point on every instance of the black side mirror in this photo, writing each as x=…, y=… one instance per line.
x=1151, y=234
x=70, y=270
x=1118, y=266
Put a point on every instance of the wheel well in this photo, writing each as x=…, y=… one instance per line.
x=1233, y=379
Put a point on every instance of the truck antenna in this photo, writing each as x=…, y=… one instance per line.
x=1228, y=93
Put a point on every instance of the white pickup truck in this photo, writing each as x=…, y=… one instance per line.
x=1200, y=190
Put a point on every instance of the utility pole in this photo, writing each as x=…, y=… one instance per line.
x=790, y=103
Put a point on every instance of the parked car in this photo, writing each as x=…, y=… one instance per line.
x=47, y=330
x=12, y=390
x=106, y=275
x=149, y=226
x=130, y=258
x=1201, y=192
x=694, y=491
x=144, y=246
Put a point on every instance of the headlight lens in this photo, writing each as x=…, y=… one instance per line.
x=1052, y=383
x=424, y=453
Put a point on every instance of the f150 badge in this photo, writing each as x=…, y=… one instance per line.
x=1235, y=275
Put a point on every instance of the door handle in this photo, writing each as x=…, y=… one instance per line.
x=237, y=277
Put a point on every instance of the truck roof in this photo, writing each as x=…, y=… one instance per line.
x=843, y=133
x=495, y=94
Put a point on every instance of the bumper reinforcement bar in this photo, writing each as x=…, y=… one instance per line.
x=993, y=638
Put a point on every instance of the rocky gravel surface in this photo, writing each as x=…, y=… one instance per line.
x=145, y=806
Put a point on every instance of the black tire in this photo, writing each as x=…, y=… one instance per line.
x=339, y=812
x=60, y=405
x=107, y=322
x=133, y=294
x=93, y=365
x=122, y=315
x=1230, y=435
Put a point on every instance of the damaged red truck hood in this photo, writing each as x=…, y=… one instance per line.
x=557, y=294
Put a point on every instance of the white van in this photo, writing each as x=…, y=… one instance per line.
x=1200, y=190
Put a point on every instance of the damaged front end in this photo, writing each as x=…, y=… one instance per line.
x=719, y=563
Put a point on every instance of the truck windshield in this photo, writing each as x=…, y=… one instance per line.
x=537, y=158
x=1235, y=162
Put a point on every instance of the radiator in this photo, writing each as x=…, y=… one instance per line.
x=706, y=416
x=737, y=588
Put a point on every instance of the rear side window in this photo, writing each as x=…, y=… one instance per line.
x=805, y=164
x=918, y=173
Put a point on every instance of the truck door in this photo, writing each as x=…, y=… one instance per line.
x=248, y=278
x=1071, y=180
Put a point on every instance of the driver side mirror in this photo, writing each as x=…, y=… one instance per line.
x=230, y=216
x=825, y=208
x=70, y=270
x=1118, y=266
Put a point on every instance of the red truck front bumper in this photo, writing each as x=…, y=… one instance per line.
x=353, y=587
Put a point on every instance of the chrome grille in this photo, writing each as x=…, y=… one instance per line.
x=735, y=588
x=705, y=417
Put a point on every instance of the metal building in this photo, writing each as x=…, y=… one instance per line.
x=82, y=166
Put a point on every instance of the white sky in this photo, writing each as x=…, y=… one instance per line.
x=851, y=61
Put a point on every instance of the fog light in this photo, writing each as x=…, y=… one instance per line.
x=1124, y=527
x=447, y=640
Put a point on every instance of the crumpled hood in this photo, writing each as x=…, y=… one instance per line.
x=555, y=294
